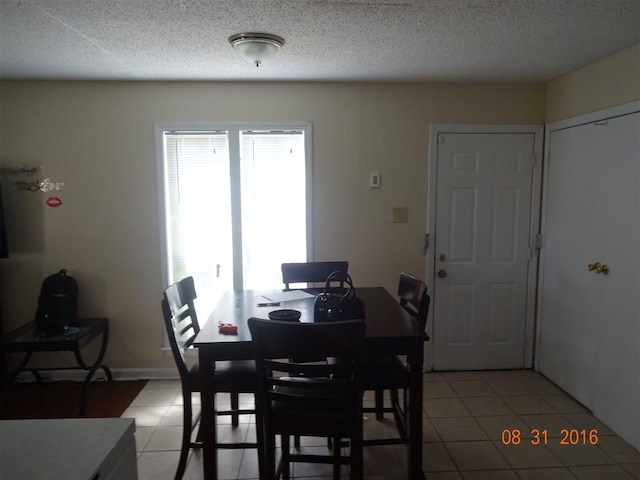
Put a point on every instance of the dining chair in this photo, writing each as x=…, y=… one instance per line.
x=311, y=272
x=307, y=396
x=389, y=372
x=233, y=377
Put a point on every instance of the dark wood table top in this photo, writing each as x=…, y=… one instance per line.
x=389, y=326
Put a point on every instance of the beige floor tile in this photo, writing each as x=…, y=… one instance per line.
x=462, y=376
x=164, y=439
x=438, y=390
x=553, y=424
x=575, y=455
x=229, y=434
x=445, y=407
x=528, y=405
x=229, y=461
x=482, y=455
x=436, y=458
x=429, y=433
x=514, y=375
x=601, y=472
x=249, y=464
x=146, y=416
x=173, y=416
x=510, y=387
x=633, y=469
x=526, y=455
x=433, y=377
x=459, y=429
x=142, y=436
x=490, y=475
x=153, y=397
x=381, y=460
x=496, y=425
x=194, y=467
x=587, y=421
x=174, y=383
x=157, y=465
x=545, y=474
x=564, y=404
x=472, y=388
x=486, y=406
x=377, y=429
x=619, y=450
x=440, y=476
x=543, y=386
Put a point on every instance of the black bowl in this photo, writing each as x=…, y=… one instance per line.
x=285, y=314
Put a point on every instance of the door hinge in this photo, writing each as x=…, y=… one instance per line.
x=534, y=251
x=539, y=241
x=425, y=247
x=440, y=138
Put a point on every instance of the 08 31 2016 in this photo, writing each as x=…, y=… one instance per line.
x=568, y=436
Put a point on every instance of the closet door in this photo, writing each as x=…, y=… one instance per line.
x=589, y=321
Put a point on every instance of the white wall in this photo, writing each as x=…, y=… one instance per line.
x=98, y=138
x=614, y=80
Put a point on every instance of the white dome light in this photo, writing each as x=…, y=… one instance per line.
x=256, y=47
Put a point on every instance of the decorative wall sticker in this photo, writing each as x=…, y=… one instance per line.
x=45, y=185
x=53, y=202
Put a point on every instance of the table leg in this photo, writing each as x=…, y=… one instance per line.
x=92, y=368
x=206, y=365
x=414, y=423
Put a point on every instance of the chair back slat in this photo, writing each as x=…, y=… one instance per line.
x=311, y=272
x=181, y=320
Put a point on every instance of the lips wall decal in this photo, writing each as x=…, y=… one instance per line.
x=53, y=202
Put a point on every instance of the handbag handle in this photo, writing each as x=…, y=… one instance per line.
x=342, y=277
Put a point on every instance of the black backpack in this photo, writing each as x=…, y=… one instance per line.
x=57, y=304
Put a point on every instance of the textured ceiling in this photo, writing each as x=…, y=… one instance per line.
x=341, y=40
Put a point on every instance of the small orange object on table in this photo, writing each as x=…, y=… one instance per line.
x=227, y=328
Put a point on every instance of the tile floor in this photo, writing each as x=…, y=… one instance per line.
x=465, y=414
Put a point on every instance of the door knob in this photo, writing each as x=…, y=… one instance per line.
x=598, y=268
x=442, y=273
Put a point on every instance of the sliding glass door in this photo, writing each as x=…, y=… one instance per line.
x=235, y=206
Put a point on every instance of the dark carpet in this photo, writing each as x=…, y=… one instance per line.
x=62, y=399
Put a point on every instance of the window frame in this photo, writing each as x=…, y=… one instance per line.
x=233, y=129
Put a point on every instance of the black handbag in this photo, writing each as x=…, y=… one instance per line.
x=332, y=307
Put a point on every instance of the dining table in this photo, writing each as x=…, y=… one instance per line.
x=390, y=330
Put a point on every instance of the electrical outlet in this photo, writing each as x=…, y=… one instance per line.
x=400, y=214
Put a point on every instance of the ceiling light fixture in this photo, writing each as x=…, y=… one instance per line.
x=256, y=47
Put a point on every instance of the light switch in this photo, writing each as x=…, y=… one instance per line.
x=400, y=214
x=374, y=179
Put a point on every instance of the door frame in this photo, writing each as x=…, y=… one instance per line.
x=534, y=229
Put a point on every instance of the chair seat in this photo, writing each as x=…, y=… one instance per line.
x=236, y=375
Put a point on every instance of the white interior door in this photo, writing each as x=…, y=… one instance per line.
x=589, y=321
x=482, y=226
